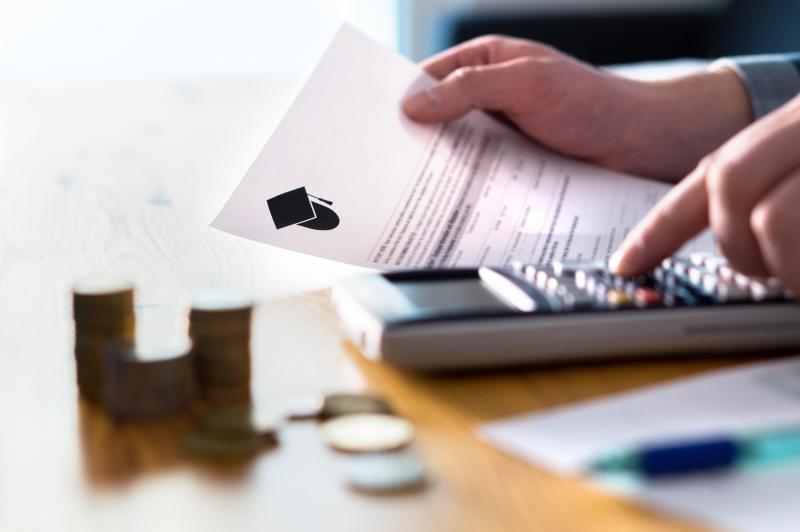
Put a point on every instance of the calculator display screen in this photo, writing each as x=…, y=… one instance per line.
x=452, y=295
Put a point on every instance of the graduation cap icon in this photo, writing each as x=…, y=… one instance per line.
x=297, y=208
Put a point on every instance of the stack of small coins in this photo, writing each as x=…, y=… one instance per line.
x=103, y=313
x=148, y=380
x=220, y=330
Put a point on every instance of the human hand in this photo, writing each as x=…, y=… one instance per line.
x=748, y=191
x=658, y=129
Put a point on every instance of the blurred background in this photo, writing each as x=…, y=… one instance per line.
x=112, y=41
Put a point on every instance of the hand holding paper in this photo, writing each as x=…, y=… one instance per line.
x=658, y=129
x=407, y=195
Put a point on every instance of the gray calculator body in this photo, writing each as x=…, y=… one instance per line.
x=486, y=317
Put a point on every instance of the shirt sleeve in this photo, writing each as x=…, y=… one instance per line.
x=771, y=80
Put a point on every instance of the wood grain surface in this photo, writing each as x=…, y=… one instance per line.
x=126, y=181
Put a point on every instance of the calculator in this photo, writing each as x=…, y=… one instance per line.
x=569, y=310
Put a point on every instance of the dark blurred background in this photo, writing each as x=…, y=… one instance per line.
x=80, y=42
x=608, y=31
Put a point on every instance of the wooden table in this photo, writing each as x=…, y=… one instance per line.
x=126, y=181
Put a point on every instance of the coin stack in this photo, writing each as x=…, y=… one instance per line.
x=220, y=330
x=229, y=431
x=103, y=314
x=148, y=380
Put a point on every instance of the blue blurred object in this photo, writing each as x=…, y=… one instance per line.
x=666, y=459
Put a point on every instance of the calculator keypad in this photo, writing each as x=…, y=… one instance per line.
x=700, y=279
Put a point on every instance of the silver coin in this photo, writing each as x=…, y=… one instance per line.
x=385, y=472
x=365, y=433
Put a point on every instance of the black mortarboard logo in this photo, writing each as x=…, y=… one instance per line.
x=296, y=208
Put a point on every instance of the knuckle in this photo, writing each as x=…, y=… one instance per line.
x=538, y=71
x=706, y=162
x=490, y=40
x=465, y=76
x=724, y=179
x=769, y=220
x=486, y=47
x=495, y=45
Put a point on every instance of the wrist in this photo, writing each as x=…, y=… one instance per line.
x=680, y=120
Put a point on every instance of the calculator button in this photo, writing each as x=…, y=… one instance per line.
x=696, y=276
x=513, y=290
x=662, y=277
x=700, y=258
x=726, y=273
x=709, y=283
x=570, y=268
x=630, y=287
x=574, y=299
x=592, y=284
x=769, y=289
x=566, y=297
x=541, y=279
x=552, y=285
x=713, y=264
x=681, y=266
x=598, y=291
x=619, y=298
x=529, y=271
x=742, y=281
x=647, y=297
x=667, y=282
x=582, y=278
x=729, y=292
x=517, y=265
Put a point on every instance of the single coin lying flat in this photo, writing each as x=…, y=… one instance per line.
x=364, y=433
x=385, y=472
x=345, y=404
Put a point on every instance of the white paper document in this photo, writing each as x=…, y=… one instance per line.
x=756, y=396
x=347, y=176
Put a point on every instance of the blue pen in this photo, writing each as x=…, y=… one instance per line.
x=681, y=457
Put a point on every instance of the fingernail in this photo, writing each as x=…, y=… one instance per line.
x=421, y=103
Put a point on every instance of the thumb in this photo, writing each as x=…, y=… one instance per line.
x=492, y=87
